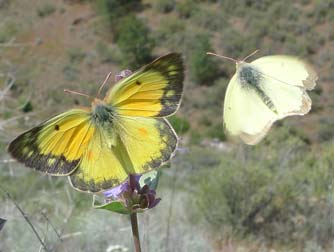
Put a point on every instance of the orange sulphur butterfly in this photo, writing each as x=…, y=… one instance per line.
x=263, y=91
x=125, y=133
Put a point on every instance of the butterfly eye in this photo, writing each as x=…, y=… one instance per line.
x=56, y=127
x=138, y=82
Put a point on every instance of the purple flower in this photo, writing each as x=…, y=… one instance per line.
x=123, y=74
x=133, y=196
x=116, y=192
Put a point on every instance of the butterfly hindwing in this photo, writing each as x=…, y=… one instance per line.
x=285, y=80
x=56, y=146
x=150, y=142
x=100, y=168
x=142, y=144
x=153, y=91
x=287, y=99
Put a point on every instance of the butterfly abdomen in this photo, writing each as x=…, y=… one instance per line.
x=266, y=99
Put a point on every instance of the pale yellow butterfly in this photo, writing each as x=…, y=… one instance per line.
x=263, y=91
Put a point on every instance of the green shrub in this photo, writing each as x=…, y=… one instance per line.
x=75, y=55
x=217, y=92
x=114, y=10
x=46, y=10
x=171, y=34
x=134, y=42
x=195, y=137
x=203, y=68
x=7, y=31
x=186, y=8
x=27, y=107
x=323, y=11
x=316, y=97
x=106, y=53
x=70, y=72
x=217, y=131
x=165, y=6
x=205, y=121
x=326, y=130
x=238, y=44
x=314, y=42
x=305, y=2
x=180, y=124
x=209, y=19
x=257, y=26
x=273, y=190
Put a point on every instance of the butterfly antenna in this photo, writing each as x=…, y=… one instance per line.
x=103, y=84
x=77, y=93
x=224, y=57
x=250, y=55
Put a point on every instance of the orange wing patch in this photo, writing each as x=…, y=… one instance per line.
x=143, y=132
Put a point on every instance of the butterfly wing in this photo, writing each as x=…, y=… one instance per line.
x=153, y=91
x=142, y=144
x=245, y=114
x=56, y=146
x=150, y=142
x=285, y=80
x=287, y=69
x=100, y=168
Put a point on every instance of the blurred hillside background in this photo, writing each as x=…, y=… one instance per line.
x=216, y=195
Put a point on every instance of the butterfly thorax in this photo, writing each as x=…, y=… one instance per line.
x=103, y=116
x=250, y=77
x=102, y=113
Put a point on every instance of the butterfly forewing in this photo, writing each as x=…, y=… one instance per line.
x=56, y=146
x=153, y=91
x=288, y=70
x=245, y=113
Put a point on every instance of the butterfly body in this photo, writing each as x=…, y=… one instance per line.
x=103, y=113
x=251, y=78
x=263, y=91
x=125, y=133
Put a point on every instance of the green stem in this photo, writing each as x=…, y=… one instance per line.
x=135, y=232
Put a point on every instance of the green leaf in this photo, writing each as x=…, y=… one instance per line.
x=114, y=206
x=151, y=179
